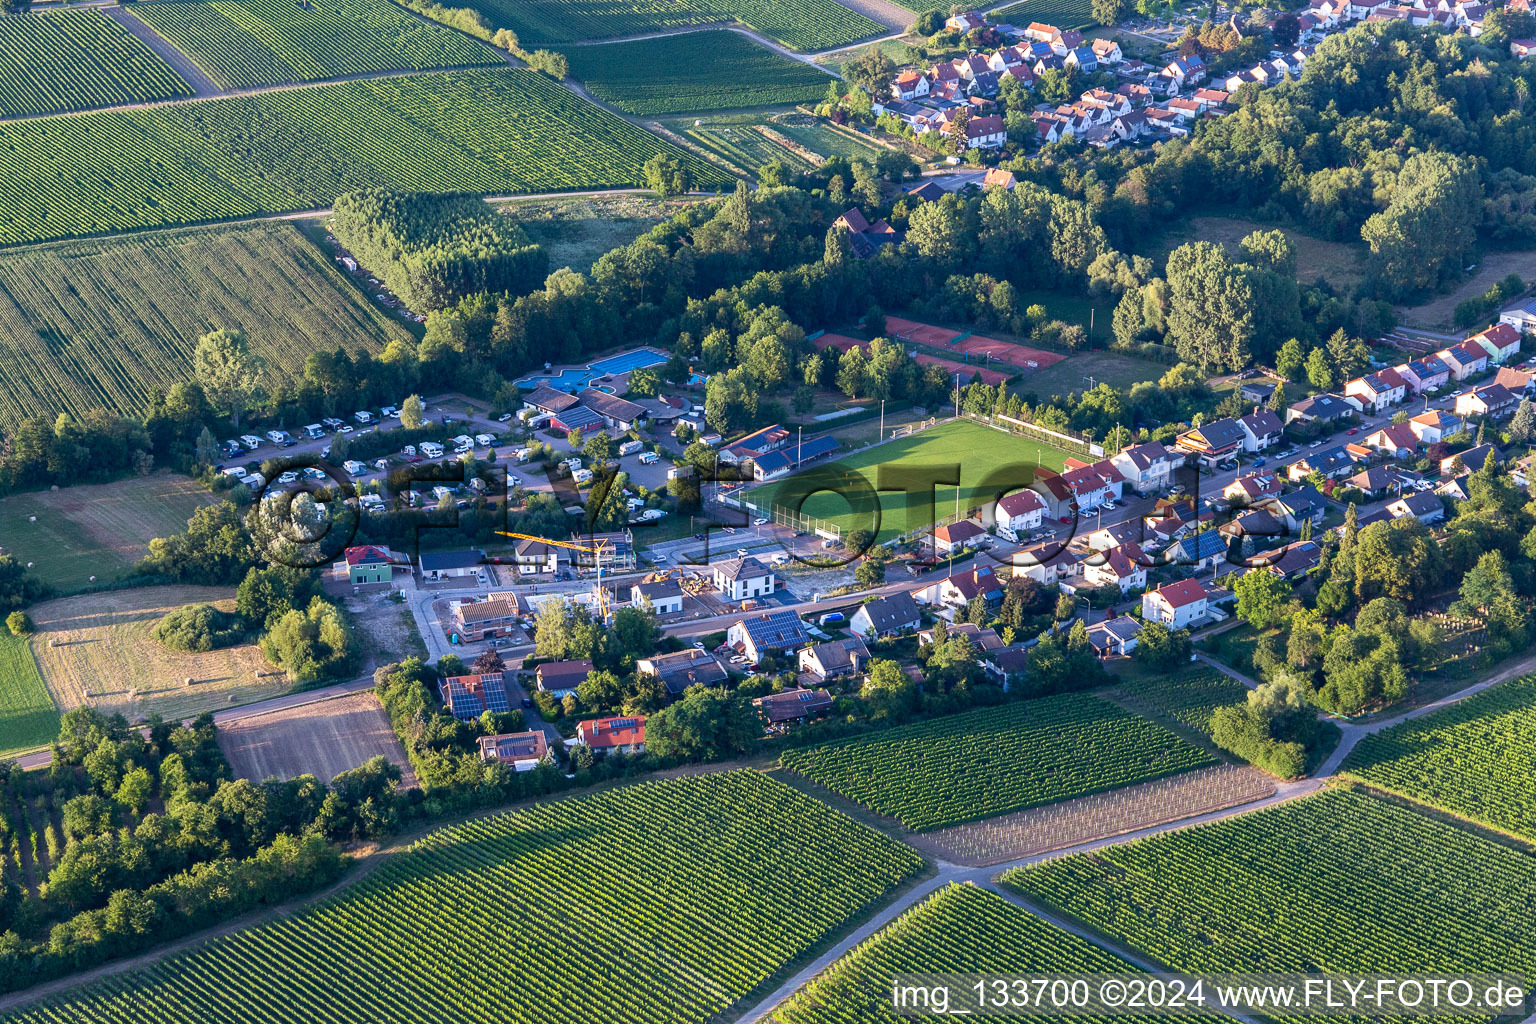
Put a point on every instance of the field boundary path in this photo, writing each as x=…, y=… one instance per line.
x=716, y=26
x=203, y=87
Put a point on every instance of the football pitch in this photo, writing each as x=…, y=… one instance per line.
x=891, y=477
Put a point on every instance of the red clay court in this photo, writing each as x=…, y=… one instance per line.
x=841, y=342
x=1007, y=352
x=965, y=370
x=922, y=334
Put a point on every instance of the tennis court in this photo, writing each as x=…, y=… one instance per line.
x=1006, y=352
x=965, y=370
x=919, y=333
x=841, y=342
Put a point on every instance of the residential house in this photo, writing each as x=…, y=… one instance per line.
x=743, y=449
x=1123, y=567
x=1107, y=51
x=950, y=539
x=909, y=85
x=1330, y=462
x=682, y=669
x=1186, y=71
x=1132, y=126
x=1138, y=94
x=536, y=556
x=1435, y=426
x=1472, y=459
x=1380, y=481
x=1082, y=58
x=886, y=616
x=1019, y=513
x=965, y=22
x=1214, y=100
x=612, y=735
x=984, y=639
x=770, y=633
x=1397, y=440
x=778, y=709
x=863, y=237
x=1522, y=48
x=1046, y=563
x=959, y=588
x=1203, y=550
x=369, y=563
x=1148, y=468
x=1425, y=506
x=523, y=751
x=1005, y=663
x=447, y=565
x=834, y=659
x=1212, y=442
x=1259, y=392
x=1324, y=407
x=1176, y=605
x=1518, y=381
x=742, y=578
x=1255, y=522
x=996, y=177
x=469, y=697
x=1305, y=504
x=1424, y=373
x=928, y=192
x=474, y=621
x=1464, y=360
x=1501, y=342
x=1493, y=401
x=1261, y=428
x=1377, y=391
x=1292, y=561
x=1250, y=488
x=1521, y=316
x=664, y=596
x=560, y=679
x=1115, y=638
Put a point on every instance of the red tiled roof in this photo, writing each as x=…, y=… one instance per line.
x=603, y=733
x=1184, y=592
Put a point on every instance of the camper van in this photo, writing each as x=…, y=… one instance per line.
x=649, y=458
x=251, y=442
x=431, y=449
x=354, y=467
x=524, y=454
x=279, y=437
x=485, y=440
x=314, y=431
x=363, y=416
x=582, y=476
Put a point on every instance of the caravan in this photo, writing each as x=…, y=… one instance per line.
x=431, y=449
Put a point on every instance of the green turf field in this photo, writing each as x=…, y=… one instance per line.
x=28, y=718
x=980, y=452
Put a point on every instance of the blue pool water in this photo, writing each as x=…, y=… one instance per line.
x=575, y=380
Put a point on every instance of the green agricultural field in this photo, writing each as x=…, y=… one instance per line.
x=655, y=903
x=246, y=43
x=28, y=718
x=979, y=452
x=959, y=768
x=577, y=231
x=961, y=929
x=1189, y=697
x=1061, y=13
x=496, y=132
x=1336, y=882
x=744, y=146
x=103, y=323
x=706, y=71
x=77, y=60
x=1473, y=758
x=827, y=140
x=804, y=25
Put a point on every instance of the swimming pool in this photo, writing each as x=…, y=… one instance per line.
x=572, y=381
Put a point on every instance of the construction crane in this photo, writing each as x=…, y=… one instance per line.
x=603, y=547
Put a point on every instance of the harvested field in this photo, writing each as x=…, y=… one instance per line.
x=1006, y=351
x=920, y=333
x=97, y=529
x=1058, y=826
x=106, y=657
x=965, y=370
x=322, y=739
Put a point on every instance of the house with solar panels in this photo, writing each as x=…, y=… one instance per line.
x=772, y=633
x=469, y=697
x=613, y=735
x=523, y=751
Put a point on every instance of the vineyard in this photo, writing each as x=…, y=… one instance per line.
x=1058, y=826
x=76, y=60
x=663, y=902
x=102, y=324
x=468, y=131
x=960, y=768
x=28, y=718
x=744, y=146
x=1335, y=882
x=960, y=929
x=804, y=25
x=704, y=71
x=246, y=43
x=1189, y=697
x=1061, y=13
x=1473, y=758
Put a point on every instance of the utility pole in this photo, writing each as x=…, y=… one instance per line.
x=957, y=395
x=881, y=435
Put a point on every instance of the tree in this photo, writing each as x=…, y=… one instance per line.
x=870, y=573
x=1160, y=648
x=1285, y=30
x=1211, y=307
x=1522, y=428
x=667, y=177
x=889, y=691
x=19, y=587
x=705, y=725
x=18, y=623
x=553, y=64
x=1320, y=370
x=207, y=448
x=1429, y=230
x=1290, y=361
x=505, y=39
x=228, y=373
x=1263, y=598
x=1110, y=12
x=598, y=448
x=872, y=71
x=412, y=412
x=929, y=23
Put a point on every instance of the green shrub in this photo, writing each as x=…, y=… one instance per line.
x=198, y=628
